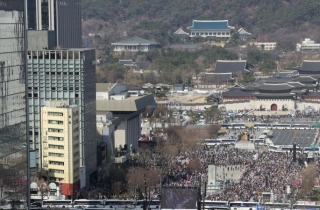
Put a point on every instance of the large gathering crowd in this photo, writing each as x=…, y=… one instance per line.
x=263, y=171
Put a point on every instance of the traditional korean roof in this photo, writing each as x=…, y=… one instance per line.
x=306, y=79
x=280, y=87
x=180, y=32
x=210, y=24
x=128, y=62
x=135, y=41
x=237, y=92
x=277, y=80
x=297, y=84
x=313, y=94
x=272, y=95
x=287, y=73
x=309, y=65
x=213, y=77
x=231, y=66
x=241, y=31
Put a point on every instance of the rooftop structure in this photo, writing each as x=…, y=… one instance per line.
x=213, y=28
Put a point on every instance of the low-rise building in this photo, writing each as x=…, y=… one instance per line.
x=226, y=72
x=267, y=46
x=60, y=145
x=308, y=46
x=126, y=103
x=135, y=44
x=210, y=28
x=243, y=34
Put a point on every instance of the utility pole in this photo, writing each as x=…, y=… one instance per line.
x=145, y=193
x=204, y=194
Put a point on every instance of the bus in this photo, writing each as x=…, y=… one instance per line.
x=262, y=125
x=115, y=203
x=227, y=126
x=300, y=126
x=88, y=203
x=306, y=206
x=289, y=148
x=238, y=125
x=259, y=141
x=274, y=148
x=239, y=205
x=282, y=126
x=268, y=133
x=228, y=141
x=277, y=206
x=212, y=142
x=154, y=204
x=212, y=205
x=57, y=203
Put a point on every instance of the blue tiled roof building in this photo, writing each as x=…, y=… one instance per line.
x=207, y=28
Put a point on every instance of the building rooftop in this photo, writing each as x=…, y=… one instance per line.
x=104, y=87
x=130, y=104
x=305, y=79
x=210, y=24
x=237, y=92
x=135, y=41
x=297, y=84
x=231, y=66
x=280, y=87
x=309, y=65
x=213, y=77
x=180, y=32
x=241, y=31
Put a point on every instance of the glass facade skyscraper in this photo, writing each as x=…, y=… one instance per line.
x=13, y=144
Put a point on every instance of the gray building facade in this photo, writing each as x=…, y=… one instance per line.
x=64, y=75
x=13, y=123
x=61, y=16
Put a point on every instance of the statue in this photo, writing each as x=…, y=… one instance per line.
x=245, y=136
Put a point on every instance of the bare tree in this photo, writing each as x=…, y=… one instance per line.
x=308, y=176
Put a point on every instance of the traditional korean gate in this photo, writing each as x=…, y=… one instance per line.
x=274, y=107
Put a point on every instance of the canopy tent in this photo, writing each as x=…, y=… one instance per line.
x=249, y=125
x=222, y=131
x=315, y=124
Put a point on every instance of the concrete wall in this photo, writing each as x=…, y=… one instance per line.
x=304, y=105
x=256, y=104
x=39, y=40
x=120, y=135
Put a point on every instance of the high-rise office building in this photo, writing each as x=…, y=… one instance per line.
x=68, y=75
x=61, y=16
x=13, y=124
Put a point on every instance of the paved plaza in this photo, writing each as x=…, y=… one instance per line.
x=304, y=138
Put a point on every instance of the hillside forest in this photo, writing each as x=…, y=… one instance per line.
x=286, y=22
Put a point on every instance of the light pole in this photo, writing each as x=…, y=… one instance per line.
x=145, y=193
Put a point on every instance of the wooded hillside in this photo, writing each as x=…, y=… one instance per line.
x=286, y=21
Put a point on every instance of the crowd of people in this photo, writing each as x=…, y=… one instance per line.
x=269, y=172
x=263, y=171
